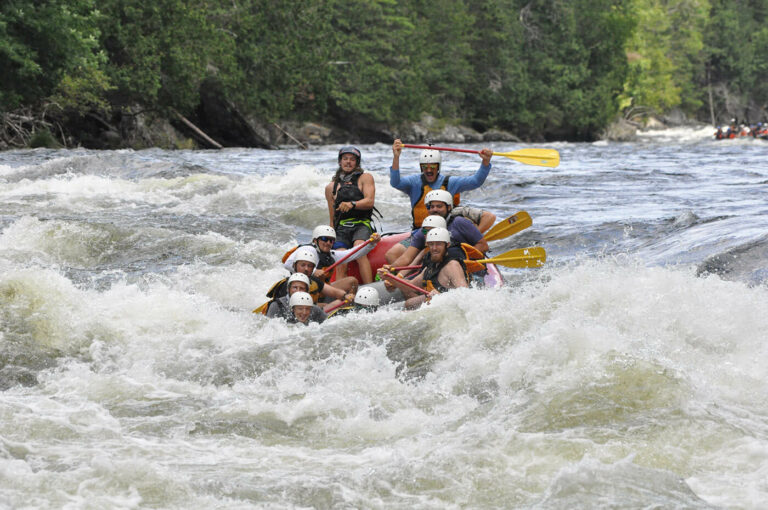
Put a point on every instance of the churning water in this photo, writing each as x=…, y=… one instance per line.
x=629, y=372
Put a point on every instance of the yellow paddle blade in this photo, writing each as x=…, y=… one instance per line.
x=263, y=308
x=536, y=157
x=534, y=256
x=512, y=225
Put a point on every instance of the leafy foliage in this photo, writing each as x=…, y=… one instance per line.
x=544, y=69
x=46, y=48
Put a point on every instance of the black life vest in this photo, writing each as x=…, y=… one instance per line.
x=433, y=268
x=349, y=191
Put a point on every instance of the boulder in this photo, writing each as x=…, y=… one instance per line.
x=497, y=135
x=620, y=130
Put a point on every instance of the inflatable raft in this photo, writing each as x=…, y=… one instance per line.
x=376, y=257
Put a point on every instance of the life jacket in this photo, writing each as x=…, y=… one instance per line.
x=283, y=309
x=349, y=191
x=280, y=289
x=326, y=259
x=419, y=211
x=454, y=252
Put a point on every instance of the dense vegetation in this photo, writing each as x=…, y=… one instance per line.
x=555, y=69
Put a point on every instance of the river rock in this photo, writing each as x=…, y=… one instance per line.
x=620, y=130
x=497, y=135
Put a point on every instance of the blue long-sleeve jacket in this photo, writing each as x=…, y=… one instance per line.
x=411, y=184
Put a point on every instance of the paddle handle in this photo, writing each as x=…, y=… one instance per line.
x=407, y=284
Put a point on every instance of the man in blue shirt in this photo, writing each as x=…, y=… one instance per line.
x=417, y=186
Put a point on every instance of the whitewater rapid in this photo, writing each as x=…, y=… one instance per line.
x=629, y=372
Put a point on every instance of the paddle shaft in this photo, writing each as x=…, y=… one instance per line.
x=407, y=284
x=451, y=149
x=404, y=268
x=336, y=307
x=535, y=157
x=345, y=257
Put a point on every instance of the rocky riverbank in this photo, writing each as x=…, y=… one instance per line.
x=217, y=123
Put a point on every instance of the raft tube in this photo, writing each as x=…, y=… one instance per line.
x=492, y=279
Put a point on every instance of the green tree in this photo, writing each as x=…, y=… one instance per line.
x=737, y=54
x=160, y=51
x=666, y=55
x=50, y=48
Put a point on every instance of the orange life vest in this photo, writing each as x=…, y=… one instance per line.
x=419, y=211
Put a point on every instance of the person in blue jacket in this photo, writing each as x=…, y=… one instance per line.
x=418, y=185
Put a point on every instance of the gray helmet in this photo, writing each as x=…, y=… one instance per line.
x=350, y=149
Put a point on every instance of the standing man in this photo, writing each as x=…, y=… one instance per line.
x=350, y=197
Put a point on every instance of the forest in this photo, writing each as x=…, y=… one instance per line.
x=541, y=69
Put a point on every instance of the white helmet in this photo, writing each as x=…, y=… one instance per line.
x=298, y=277
x=301, y=299
x=307, y=253
x=367, y=296
x=439, y=195
x=430, y=156
x=434, y=221
x=439, y=235
x=323, y=231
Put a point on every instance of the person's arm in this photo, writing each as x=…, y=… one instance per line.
x=406, y=258
x=335, y=293
x=459, y=184
x=329, y=198
x=487, y=219
x=397, y=149
x=454, y=274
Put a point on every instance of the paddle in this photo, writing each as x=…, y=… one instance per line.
x=536, y=157
x=349, y=254
x=534, y=256
x=512, y=225
x=336, y=307
x=404, y=268
x=407, y=284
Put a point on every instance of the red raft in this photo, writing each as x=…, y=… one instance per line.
x=377, y=259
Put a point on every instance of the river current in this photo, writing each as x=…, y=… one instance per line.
x=629, y=372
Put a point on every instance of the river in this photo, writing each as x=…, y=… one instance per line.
x=629, y=372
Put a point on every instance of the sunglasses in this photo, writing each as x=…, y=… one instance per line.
x=326, y=239
x=430, y=166
x=434, y=205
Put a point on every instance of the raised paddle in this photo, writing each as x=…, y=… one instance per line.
x=512, y=225
x=536, y=157
x=534, y=256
